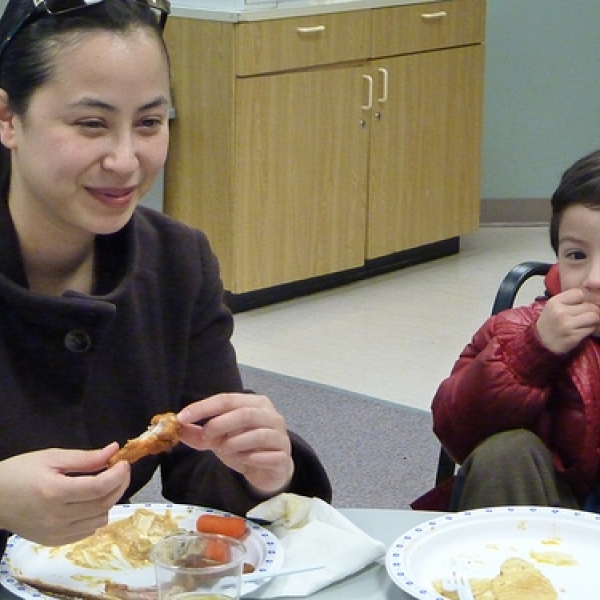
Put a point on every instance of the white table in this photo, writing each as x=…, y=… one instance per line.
x=373, y=583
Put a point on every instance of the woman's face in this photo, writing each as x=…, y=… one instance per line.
x=94, y=137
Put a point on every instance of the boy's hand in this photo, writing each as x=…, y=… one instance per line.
x=566, y=320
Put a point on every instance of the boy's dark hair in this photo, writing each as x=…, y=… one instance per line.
x=580, y=184
x=27, y=61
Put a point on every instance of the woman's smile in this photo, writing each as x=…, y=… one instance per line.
x=117, y=197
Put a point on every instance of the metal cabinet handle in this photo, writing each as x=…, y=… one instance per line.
x=369, y=104
x=384, y=81
x=315, y=29
x=434, y=15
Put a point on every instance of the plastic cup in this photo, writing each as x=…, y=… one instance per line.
x=198, y=566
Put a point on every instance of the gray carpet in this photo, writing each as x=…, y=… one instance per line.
x=378, y=454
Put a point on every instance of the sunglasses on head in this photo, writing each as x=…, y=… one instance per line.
x=57, y=7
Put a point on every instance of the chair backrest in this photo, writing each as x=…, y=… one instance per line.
x=505, y=298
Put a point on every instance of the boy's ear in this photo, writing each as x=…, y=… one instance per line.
x=7, y=130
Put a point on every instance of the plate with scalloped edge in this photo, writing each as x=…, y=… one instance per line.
x=563, y=544
x=34, y=561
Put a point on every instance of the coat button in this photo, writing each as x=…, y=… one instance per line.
x=77, y=341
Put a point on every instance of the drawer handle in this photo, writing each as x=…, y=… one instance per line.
x=434, y=15
x=384, y=79
x=315, y=29
x=369, y=104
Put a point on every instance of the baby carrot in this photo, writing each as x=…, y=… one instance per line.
x=230, y=526
x=216, y=550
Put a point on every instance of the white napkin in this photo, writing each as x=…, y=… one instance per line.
x=313, y=532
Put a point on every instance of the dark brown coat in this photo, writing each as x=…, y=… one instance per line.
x=81, y=371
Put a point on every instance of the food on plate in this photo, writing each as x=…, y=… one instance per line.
x=126, y=592
x=61, y=591
x=518, y=580
x=115, y=563
x=161, y=435
x=230, y=526
x=192, y=551
x=125, y=543
x=216, y=552
x=559, y=559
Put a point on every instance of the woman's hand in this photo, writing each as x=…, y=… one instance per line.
x=55, y=497
x=247, y=434
x=566, y=320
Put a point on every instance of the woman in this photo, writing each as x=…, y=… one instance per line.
x=110, y=313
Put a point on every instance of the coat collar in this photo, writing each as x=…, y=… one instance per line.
x=552, y=281
x=116, y=255
x=11, y=261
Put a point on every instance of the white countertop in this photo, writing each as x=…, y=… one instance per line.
x=235, y=11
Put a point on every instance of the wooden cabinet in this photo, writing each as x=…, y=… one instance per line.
x=424, y=171
x=308, y=146
x=301, y=186
x=267, y=156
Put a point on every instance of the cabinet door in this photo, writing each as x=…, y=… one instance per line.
x=425, y=149
x=300, y=176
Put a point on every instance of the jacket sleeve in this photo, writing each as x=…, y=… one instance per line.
x=501, y=381
x=200, y=478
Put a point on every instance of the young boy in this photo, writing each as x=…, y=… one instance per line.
x=521, y=409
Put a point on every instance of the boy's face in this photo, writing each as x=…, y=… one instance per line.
x=579, y=251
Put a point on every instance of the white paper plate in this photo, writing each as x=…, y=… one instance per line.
x=480, y=540
x=24, y=558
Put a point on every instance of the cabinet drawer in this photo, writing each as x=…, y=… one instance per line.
x=419, y=27
x=299, y=42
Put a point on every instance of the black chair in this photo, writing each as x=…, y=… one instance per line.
x=505, y=298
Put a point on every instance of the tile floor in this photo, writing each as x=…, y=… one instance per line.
x=396, y=336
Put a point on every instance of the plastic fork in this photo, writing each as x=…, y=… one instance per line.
x=456, y=581
x=288, y=571
x=462, y=585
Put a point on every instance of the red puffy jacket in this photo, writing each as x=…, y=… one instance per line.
x=505, y=379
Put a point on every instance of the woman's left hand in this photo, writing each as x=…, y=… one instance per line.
x=246, y=433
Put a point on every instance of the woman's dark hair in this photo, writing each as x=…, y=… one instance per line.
x=27, y=61
x=580, y=184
